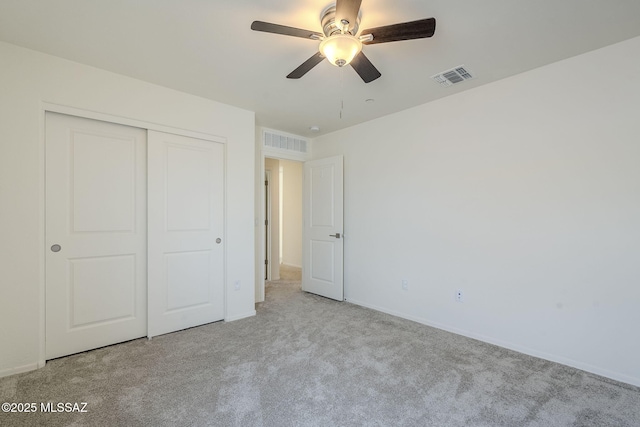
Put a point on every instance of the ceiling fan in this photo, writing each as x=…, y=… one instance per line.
x=340, y=43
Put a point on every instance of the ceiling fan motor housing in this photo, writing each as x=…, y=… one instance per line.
x=329, y=25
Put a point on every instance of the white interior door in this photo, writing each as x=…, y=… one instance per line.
x=186, y=247
x=323, y=248
x=95, y=234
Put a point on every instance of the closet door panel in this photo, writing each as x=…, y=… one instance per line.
x=186, y=242
x=95, y=203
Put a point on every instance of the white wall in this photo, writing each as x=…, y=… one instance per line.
x=525, y=194
x=292, y=213
x=27, y=79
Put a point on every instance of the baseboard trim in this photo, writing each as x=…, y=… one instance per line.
x=20, y=369
x=617, y=376
x=240, y=316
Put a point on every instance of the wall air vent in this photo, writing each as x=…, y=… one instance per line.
x=453, y=76
x=284, y=142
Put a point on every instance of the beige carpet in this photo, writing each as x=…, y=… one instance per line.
x=289, y=273
x=308, y=361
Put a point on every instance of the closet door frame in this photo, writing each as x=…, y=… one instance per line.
x=87, y=114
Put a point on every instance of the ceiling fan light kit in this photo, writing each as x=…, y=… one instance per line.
x=340, y=49
x=340, y=43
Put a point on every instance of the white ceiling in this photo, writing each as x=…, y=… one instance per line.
x=206, y=48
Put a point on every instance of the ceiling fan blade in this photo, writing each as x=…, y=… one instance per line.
x=348, y=10
x=365, y=68
x=268, y=27
x=420, y=29
x=306, y=66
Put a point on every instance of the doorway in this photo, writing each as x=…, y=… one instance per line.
x=320, y=219
x=283, y=234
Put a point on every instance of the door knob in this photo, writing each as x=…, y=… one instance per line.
x=337, y=235
x=56, y=248
x=218, y=240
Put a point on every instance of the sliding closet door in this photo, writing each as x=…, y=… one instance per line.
x=95, y=204
x=185, y=232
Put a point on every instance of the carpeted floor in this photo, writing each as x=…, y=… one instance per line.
x=290, y=273
x=308, y=361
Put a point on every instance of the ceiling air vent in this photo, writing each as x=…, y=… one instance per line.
x=284, y=142
x=453, y=76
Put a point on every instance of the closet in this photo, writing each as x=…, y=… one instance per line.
x=134, y=233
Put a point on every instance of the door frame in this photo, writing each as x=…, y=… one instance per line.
x=267, y=224
x=46, y=107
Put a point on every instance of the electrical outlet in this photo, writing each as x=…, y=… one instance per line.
x=405, y=285
x=459, y=295
x=236, y=285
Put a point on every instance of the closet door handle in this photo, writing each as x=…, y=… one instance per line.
x=337, y=235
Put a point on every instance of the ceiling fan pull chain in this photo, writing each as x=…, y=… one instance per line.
x=341, y=92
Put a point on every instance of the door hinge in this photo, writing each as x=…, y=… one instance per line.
x=266, y=262
x=266, y=222
x=266, y=183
